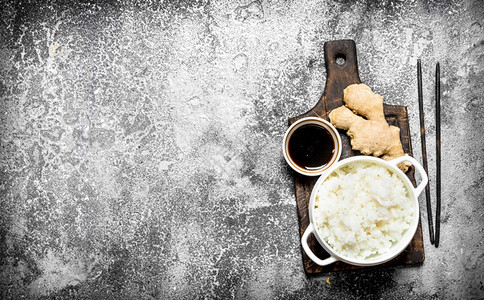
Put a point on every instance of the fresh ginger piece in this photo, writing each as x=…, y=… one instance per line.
x=361, y=99
x=370, y=136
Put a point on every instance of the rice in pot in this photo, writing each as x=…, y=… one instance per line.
x=362, y=209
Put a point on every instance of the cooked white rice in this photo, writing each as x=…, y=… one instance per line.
x=362, y=209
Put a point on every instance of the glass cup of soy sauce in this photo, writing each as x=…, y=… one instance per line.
x=311, y=146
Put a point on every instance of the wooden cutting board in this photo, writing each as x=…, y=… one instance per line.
x=342, y=70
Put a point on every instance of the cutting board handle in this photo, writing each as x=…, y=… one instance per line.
x=342, y=70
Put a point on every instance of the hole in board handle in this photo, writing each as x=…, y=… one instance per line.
x=340, y=59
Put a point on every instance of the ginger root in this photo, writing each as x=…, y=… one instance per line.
x=373, y=135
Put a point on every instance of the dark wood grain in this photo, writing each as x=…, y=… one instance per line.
x=338, y=78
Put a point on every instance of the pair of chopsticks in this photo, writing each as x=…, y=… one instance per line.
x=433, y=240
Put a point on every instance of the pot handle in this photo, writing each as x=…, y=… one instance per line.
x=417, y=166
x=312, y=256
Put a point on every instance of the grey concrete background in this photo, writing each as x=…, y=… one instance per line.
x=141, y=144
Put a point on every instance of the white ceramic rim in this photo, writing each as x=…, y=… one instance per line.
x=334, y=135
x=397, y=248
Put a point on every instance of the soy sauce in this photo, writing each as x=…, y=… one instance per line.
x=311, y=146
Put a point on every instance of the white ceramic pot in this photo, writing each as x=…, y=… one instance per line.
x=397, y=248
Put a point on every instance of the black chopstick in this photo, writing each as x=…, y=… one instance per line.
x=424, y=150
x=437, y=144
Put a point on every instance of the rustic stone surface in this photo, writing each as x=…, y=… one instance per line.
x=141, y=144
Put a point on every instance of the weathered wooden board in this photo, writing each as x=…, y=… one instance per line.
x=339, y=76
